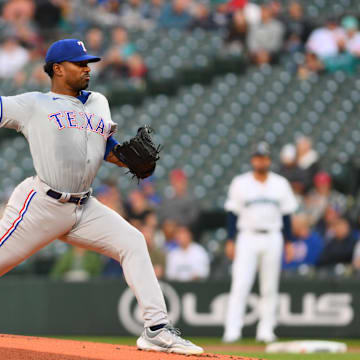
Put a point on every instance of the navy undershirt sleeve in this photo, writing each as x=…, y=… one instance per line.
x=231, y=221
x=110, y=143
x=287, y=230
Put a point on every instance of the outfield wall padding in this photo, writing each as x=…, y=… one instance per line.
x=307, y=307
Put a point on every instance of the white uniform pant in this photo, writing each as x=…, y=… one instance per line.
x=32, y=220
x=252, y=251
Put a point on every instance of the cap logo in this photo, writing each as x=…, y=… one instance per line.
x=82, y=45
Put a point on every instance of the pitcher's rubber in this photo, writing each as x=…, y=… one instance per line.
x=14, y=347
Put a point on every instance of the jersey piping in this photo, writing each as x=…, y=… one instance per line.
x=19, y=219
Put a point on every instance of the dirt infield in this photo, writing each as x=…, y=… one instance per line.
x=14, y=347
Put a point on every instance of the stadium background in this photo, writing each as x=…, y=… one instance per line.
x=210, y=98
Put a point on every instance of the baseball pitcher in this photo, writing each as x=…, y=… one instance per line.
x=70, y=133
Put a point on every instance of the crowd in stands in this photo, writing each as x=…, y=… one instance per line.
x=262, y=34
x=324, y=236
x=325, y=239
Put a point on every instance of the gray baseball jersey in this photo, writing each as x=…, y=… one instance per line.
x=68, y=141
x=67, y=138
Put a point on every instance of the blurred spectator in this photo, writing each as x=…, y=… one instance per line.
x=307, y=159
x=137, y=208
x=94, y=41
x=182, y=207
x=189, y=261
x=340, y=246
x=356, y=258
x=120, y=43
x=265, y=40
x=109, y=195
x=221, y=15
x=306, y=246
x=18, y=11
x=221, y=267
x=323, y=41
x=322, y=196
x=169, y=228
x=311, y=65
x=176, y=15
x=32, y=73
x=234, y=5
x=297, y=27
x=352, y=36
x=203, y=18
x=77, y=264
x=325, y=224
x=342, y=61
x=116, y=59
x=136, y=67
x=47, y=15
x=152, y=10
x=251, y=11
x=275, y=8
x=291, y=171
x=237, y=32
x=107, y=13
x=18, y=16
x=157, y=256
x=95, y=44
x=148, y=188
x=151, y=221
x=86, y=13
x=131, y=16
x=13, y=57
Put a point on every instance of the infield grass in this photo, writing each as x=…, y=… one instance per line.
x=214, y=345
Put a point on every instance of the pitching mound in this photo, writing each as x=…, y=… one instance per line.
x=13, y=347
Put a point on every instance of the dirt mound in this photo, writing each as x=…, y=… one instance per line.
x=14, y=347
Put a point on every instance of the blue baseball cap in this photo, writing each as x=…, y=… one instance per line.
x=69, y=50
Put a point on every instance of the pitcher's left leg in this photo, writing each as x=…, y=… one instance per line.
x=269, y=276
x=103, y=230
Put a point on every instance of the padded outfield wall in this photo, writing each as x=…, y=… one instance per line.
x=308, y=308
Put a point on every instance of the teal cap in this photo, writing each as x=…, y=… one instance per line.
x=349, y=23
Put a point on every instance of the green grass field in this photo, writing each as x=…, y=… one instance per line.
x=215, y=345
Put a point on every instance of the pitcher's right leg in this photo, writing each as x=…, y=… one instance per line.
x=30, y=221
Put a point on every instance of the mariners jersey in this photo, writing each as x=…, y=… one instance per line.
x=67, y=137
x=260, y=205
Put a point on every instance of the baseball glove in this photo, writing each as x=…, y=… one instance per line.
x=140, y=154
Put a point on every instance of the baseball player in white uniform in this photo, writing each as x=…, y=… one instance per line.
x=259, y=203
x=69, y=131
